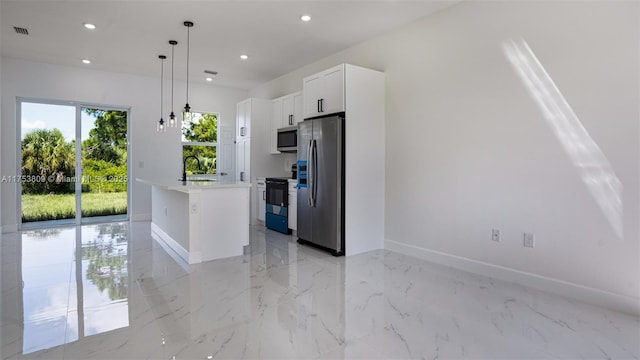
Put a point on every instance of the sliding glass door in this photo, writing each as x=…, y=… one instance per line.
x=103, y=160
x=73, y=163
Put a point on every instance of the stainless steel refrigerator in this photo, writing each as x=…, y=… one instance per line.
x=321, y=182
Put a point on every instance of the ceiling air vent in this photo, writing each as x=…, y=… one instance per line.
x=21, y=30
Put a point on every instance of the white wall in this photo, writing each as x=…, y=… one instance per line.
x=1, y=230
x=468, y=149
x=160, y=153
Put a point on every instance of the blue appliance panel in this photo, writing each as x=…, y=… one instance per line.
x=277, y=210
x=277, y=222
x=302, y=174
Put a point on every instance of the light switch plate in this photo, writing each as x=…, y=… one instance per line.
x=529, y=240
x=496, y=235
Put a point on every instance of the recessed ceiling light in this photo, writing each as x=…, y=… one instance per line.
x=305, y=18
x=86, y=61
x=244, y=57
x=89, y=26
x=209, y=79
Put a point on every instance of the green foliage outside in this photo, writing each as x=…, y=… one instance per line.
x=47, y=156
x=108, y=139
x=100, y=176
x=203, y=129
x=62, y=206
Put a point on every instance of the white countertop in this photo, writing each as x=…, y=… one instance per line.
x=193, y=186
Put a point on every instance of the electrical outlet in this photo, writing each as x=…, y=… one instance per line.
x=496, y=234
x=529, y=240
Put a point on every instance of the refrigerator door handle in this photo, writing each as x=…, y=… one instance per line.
x=315, y=173
x=309, y=174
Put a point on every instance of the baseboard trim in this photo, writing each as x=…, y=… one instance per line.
x=559, y=287
x=140, y=217
x=172, y=247
x=5, y=229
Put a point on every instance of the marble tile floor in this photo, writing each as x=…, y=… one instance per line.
x=110, y=291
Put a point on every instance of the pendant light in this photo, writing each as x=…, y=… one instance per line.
x=161, y=125
x=186, y=115
x=172, y=116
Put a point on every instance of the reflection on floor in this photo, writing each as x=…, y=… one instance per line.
x=110, y=292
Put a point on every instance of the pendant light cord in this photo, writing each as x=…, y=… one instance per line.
x=188, y=42
x=172, y=56
x=161, y=84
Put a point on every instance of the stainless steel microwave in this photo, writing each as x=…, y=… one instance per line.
x=288, y=139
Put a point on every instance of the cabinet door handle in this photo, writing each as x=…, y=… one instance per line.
x=319, y=105
x=264, y=195
x=241, y=175
x=290, y=119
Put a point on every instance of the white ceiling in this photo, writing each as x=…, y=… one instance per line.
x=131, y=34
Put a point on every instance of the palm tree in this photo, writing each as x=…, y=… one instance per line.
x=47, y=155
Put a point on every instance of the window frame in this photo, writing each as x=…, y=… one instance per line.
x=214, y=144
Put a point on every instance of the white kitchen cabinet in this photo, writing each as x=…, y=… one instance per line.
x=276, y=122
x=292, y=109
x=243, y=160
x=293, y=205
x=253, y=125
x=324, y=92
x=243, y=119
x=287, y=111
x=261, y=199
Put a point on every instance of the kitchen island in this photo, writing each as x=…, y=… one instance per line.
x=200, y=220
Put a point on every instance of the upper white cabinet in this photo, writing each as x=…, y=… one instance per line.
x=292, y=109
x=287, y=111
x=324, y=92
x=243, y=119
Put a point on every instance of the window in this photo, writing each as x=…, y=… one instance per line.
x=200, y=139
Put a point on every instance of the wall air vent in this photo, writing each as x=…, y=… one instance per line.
x=21, y=30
